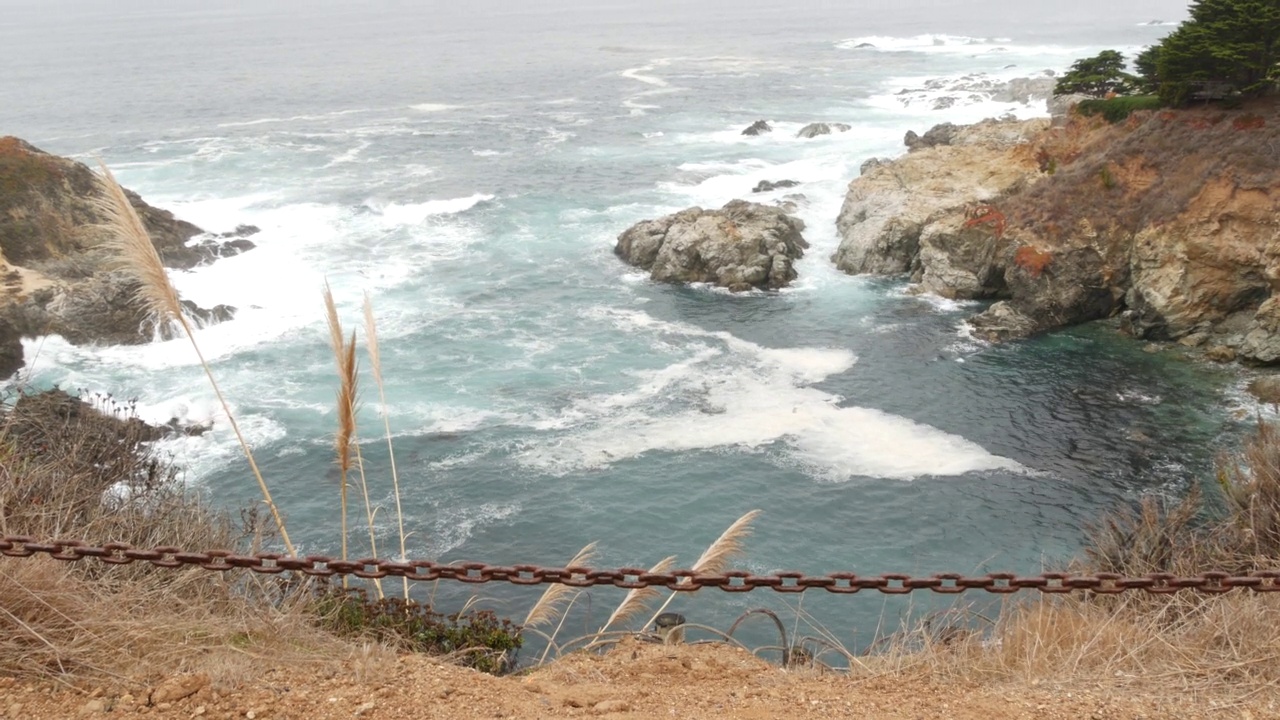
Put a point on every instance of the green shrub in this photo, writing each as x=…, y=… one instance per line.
x=477, y=639
x=1118, y=108
x=1108, y=180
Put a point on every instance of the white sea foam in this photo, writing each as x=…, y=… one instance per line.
x=433, y=107
x=636, y=103
x=295, y=118
x=638, y=74
x=452, y=525
x=732, y=393
x=350, y=155
x=416, y=213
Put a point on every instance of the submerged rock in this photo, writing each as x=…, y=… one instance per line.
x=769, y=186
x=813, y=130
x=740, y=246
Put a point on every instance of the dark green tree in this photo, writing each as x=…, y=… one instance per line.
x=1095, y=76
x=1147, y=63
x=1226, y=46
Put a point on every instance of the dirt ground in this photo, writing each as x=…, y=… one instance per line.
x=634, y=681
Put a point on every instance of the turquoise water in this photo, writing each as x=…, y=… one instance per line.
x=469, y=169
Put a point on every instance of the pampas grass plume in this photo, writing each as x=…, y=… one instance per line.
x=139, y=260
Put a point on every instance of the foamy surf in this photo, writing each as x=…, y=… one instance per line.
x=730, y=393
x=415, y=213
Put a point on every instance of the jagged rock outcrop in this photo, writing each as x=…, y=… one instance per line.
x=740, y=246
x=57, y=275
x=888, y=208
x=813, y=130
x=941, y=134
x=1170, y=220
x=758, y=127
x=770, y=185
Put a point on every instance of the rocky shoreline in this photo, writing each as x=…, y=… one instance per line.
x=1168, y=222
x=56, y=276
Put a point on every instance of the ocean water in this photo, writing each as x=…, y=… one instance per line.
x=469, y=165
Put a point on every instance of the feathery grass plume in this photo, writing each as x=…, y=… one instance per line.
x=128, y=238
x=638, y=599
x=344, y=355
x=548, y=607
x=375, y=361
x=715, y=559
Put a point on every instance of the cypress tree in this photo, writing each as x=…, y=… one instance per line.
x=1231, y=43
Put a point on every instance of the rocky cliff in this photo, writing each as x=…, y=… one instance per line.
x=55, y=275
x=1168, y=219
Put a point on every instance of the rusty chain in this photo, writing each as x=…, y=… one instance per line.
x=631, y=578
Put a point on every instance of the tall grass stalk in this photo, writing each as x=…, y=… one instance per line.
x=552, y=604
x=549, y=606
x=128, y=238
x=716, y=558
x=344, y=354
x=637, y=599
x=375, y=361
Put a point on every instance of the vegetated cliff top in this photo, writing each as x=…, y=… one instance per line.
x=46, y=210
x=1147, y=170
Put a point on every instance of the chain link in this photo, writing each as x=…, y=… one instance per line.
x=736, y=581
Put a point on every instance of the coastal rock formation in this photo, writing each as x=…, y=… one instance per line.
x=57, y=278
x=887, y=210
x=1170, y=220
x=770, y=185
x=740, y=246
x=941, y=134
x=813, y=130
x=758, y=127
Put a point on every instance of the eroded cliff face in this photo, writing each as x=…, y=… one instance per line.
x=1169, y=219
x=889, y=210
x=57, y=277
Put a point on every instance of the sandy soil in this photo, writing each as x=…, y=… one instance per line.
x=634, y=681
x=17, y=283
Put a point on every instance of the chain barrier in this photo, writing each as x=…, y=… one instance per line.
x=845, y=583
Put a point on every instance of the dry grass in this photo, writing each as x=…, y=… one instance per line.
x=715, y=559
x=1223, y=648
x=375, y=363
x=551, y=604
x=1145, y=172
x=637, y=600
x=344, y=355
x=67, y=470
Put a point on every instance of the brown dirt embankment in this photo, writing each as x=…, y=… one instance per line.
x=634, y=681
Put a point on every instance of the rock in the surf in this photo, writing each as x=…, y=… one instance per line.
x=813, y=130
x=741, y=246
x=771, y=185
x=56, y=274
x=758, y=127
